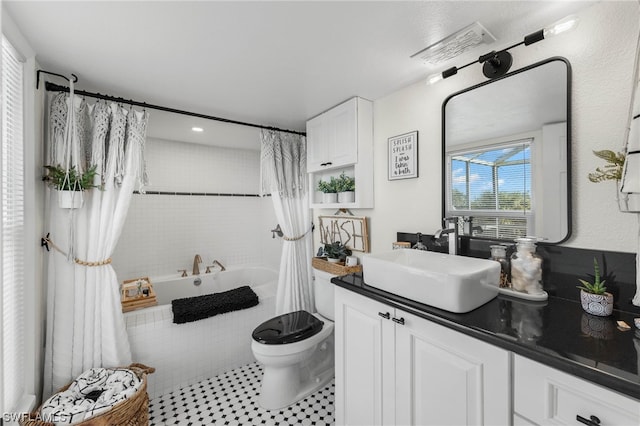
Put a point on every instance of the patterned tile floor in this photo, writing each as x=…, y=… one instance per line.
x=232, y=399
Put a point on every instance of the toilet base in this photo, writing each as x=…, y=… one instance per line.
x=284, y=386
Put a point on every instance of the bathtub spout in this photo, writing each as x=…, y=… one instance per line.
x=196, y=261
x=222, y=268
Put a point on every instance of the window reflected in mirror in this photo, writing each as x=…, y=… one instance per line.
x=492, y=185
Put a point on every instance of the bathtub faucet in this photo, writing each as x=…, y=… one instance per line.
x=196, y=261
x=222, y=268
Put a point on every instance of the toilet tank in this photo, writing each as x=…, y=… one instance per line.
x=323, y=291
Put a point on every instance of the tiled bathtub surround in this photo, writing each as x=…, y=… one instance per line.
x=163, y=233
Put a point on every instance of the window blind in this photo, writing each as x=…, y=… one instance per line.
x=493, y=185
x=12, y=231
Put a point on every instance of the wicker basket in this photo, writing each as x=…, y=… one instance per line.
x=323, y=264
x=132, y=411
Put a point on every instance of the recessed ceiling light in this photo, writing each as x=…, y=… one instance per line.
x=197, y=129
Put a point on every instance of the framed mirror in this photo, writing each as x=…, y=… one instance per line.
x=506, y=155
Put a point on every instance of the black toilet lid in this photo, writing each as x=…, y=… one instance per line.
x=287, y=328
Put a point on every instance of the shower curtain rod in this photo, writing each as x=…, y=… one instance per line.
x=52, y=87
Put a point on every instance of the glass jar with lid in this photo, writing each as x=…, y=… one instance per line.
x=499, y=254
x=526, y=267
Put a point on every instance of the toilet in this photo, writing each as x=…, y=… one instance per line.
x=296, y=350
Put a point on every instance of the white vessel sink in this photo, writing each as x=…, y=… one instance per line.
x=453, y=283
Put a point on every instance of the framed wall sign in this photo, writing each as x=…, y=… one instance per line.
x=403, y=156
x=349, y=230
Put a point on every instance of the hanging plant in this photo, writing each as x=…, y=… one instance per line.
x=70, y=184
x=70, y=180
x=612, y=170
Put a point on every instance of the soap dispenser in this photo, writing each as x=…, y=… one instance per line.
x=526, y=267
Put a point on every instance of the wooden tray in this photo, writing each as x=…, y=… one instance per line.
x=339, y=268
x=129, y=303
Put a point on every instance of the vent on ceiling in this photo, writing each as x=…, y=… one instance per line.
x=455, y=44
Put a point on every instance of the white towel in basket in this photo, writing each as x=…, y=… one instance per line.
x=94, y=392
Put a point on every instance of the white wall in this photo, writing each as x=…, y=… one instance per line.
x=163, y=233
x=601, y=51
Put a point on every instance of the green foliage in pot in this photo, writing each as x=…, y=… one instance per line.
x=612, y=170
x=58, y=178
x=597, y=287
x=329, y=187
x=336, y=250
x=345, y=183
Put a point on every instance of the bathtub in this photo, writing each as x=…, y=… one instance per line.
x=184, y=354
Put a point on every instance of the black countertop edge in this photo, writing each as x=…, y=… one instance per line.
x=555, y=360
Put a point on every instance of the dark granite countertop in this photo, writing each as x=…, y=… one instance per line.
x=556, y=332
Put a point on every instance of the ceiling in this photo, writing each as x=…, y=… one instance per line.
x=271, y=63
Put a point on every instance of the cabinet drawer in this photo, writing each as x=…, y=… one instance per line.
x=545, y=395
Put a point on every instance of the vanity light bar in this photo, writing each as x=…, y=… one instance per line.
x=496, y=64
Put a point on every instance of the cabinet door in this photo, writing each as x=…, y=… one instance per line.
x=447, y=378
x=332, y=138
x=342, y=135
x=317, y=148
x=364, y=350
x=545, y=395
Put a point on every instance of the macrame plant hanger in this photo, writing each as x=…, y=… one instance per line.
x=70, y=157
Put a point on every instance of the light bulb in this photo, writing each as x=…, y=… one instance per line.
x=565, y=24
x=434, y=78
x=197, y=129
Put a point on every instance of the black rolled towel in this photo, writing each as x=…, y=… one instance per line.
x=196, y=308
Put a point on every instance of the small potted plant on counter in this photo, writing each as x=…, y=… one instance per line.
x=70, y=184
x=329, y=190
x=345, y=186
x=595, y=298
x=336, y=252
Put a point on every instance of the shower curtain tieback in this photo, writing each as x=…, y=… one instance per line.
x=298, y=237
x=46, y=242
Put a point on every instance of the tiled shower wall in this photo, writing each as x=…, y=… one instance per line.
x=163, y=233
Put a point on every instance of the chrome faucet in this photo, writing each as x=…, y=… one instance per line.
x=222, y=268
x=468, y=228
x=451, y=231
x=196, y=261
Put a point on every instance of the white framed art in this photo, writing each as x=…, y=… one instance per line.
x=403, y=156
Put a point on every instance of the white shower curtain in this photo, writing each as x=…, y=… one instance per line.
x=284, y=175
x=85, y=325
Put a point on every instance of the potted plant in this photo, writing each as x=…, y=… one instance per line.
x=329, y=190
x=612, y=170
x=345, y=186
x=595, y=298
x=336, y=252
x=70, y=184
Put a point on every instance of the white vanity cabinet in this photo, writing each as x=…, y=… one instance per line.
x=393, y=367
x=543, y=395
x=341, y=140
